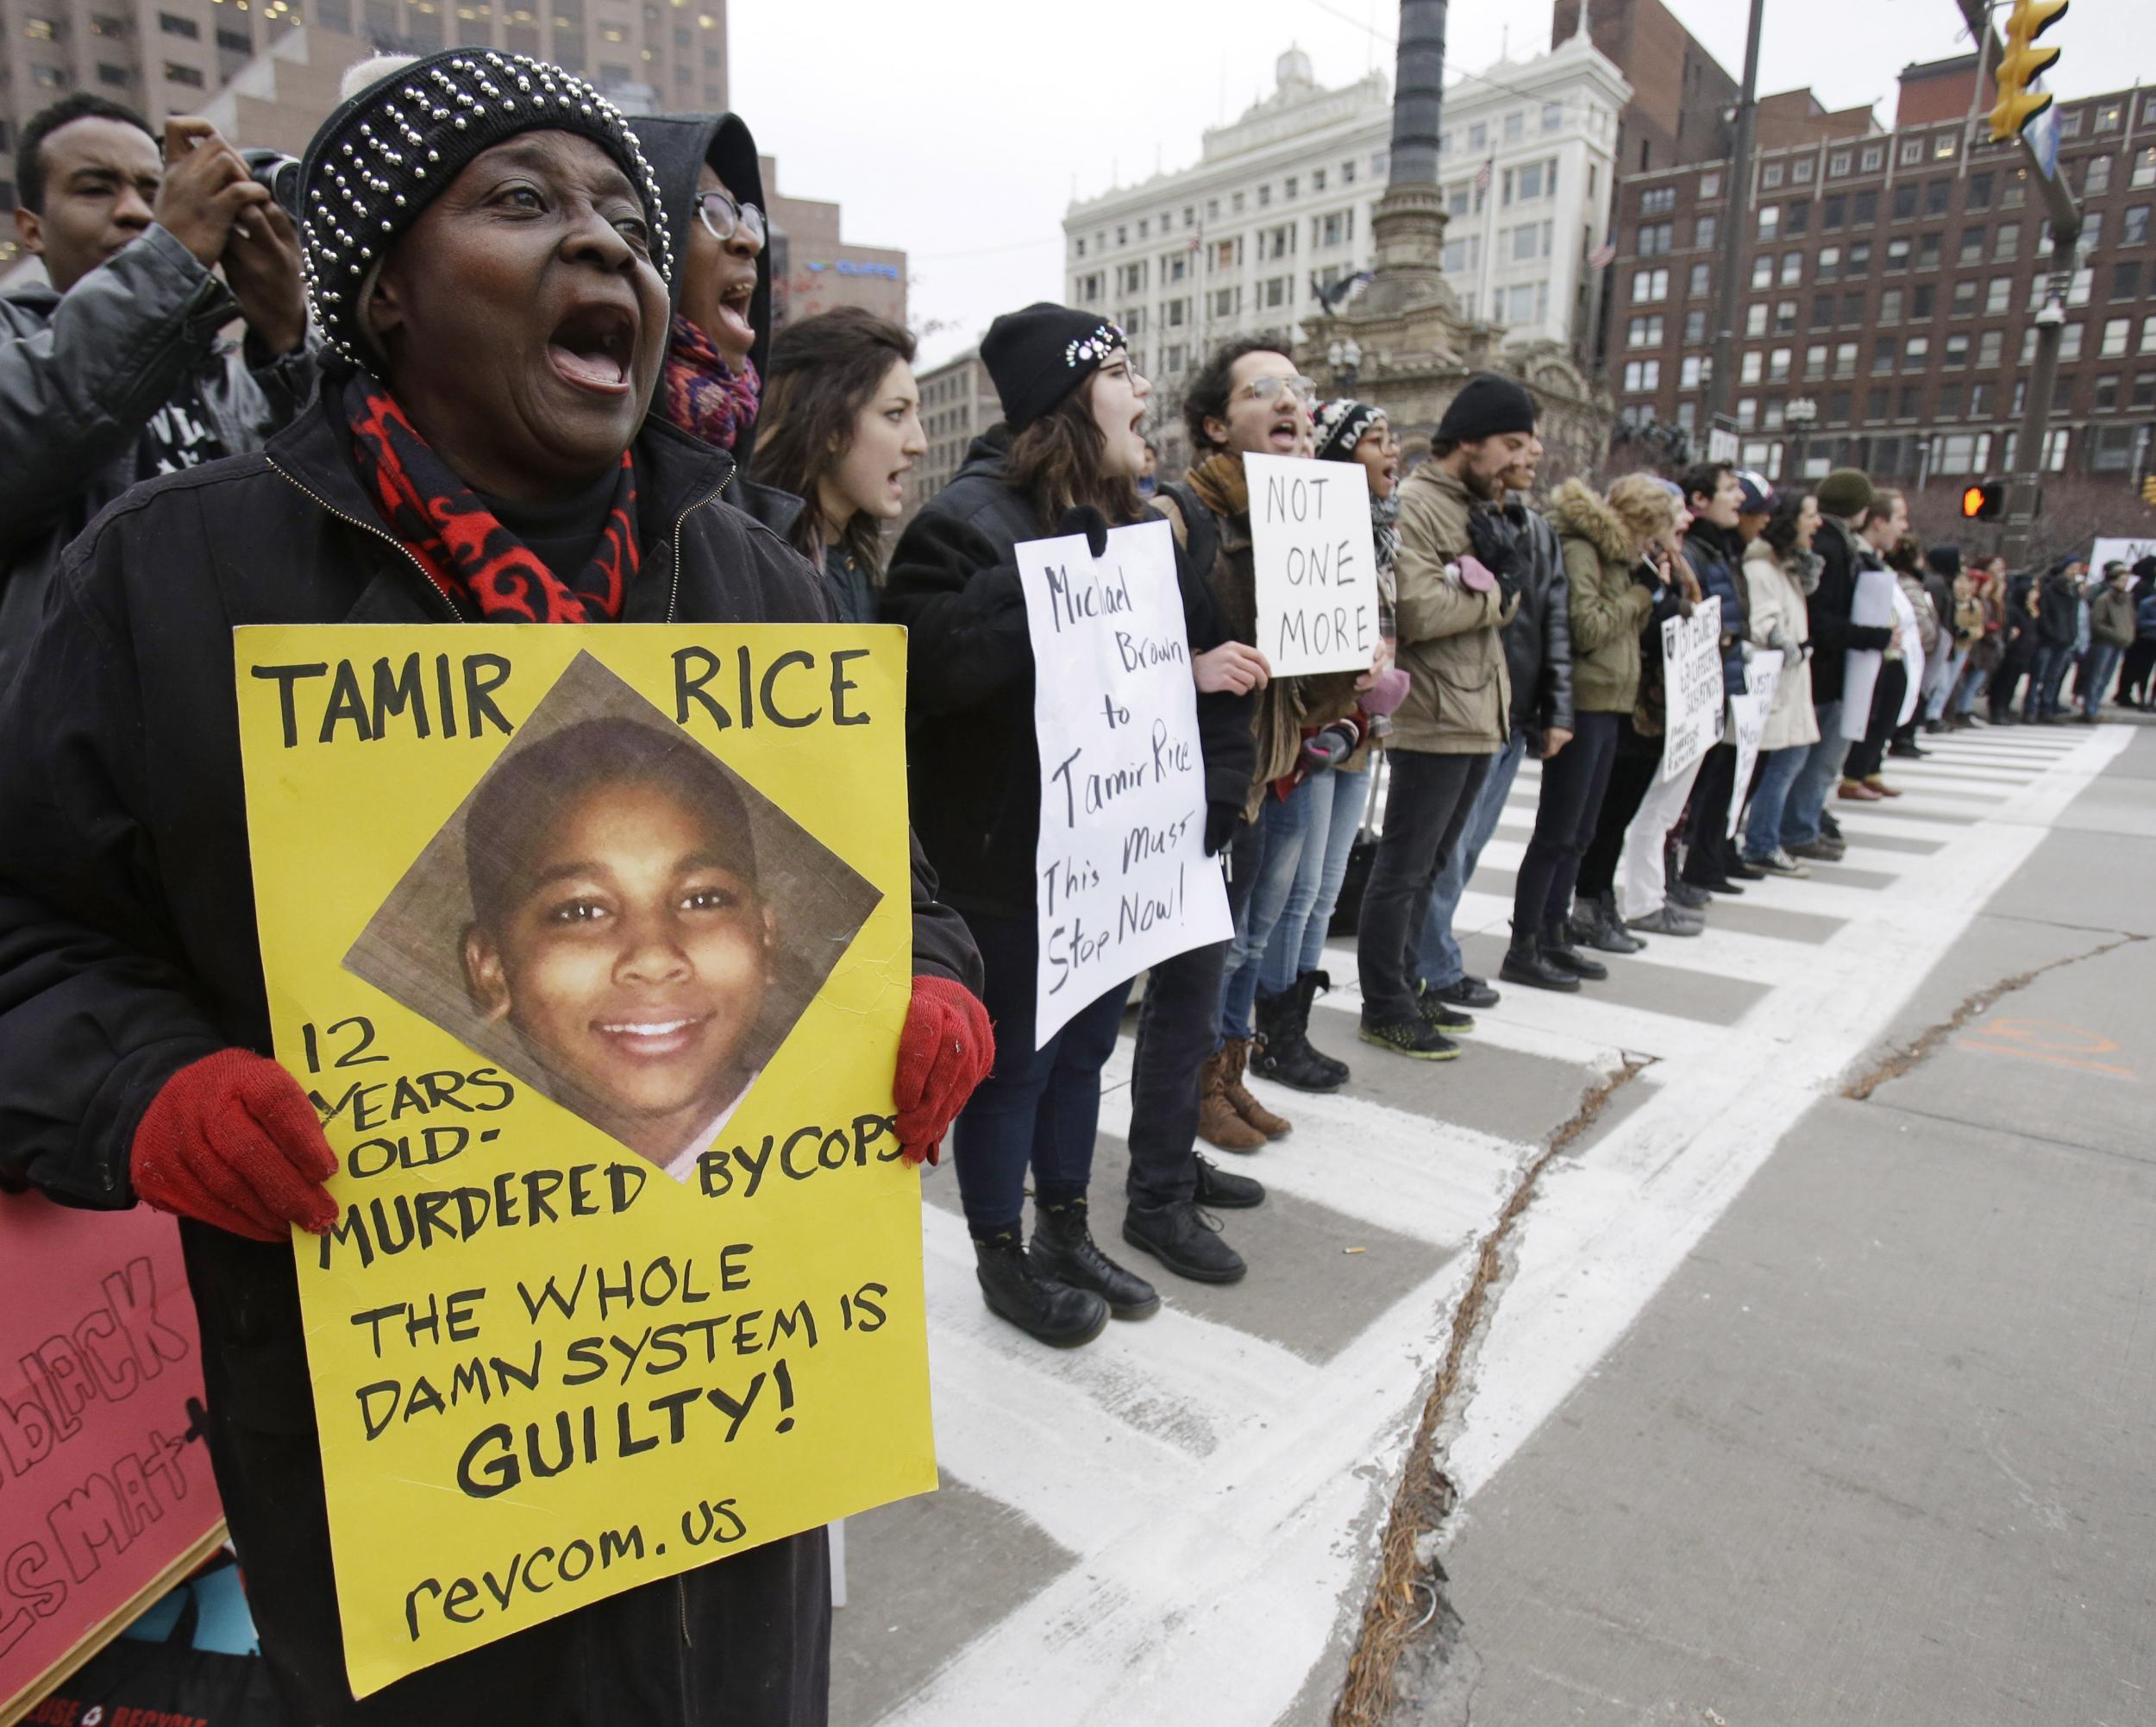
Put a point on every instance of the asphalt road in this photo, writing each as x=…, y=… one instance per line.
x=1791, y=1408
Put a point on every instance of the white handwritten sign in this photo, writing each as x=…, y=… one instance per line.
x=1122, y=880
x=1748, y=721
x=1692, y=686
x=1315, y=564
x=2127, y=552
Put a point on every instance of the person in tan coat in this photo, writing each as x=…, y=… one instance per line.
x=1461, y=561
x=1777, y=565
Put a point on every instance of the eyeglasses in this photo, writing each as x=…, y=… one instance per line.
x=723, y=215
x=1258, y=389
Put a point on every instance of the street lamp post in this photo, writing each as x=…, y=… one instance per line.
x=1345, y=358
x=1800, y=415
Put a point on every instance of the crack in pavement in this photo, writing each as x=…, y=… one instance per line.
x=1393, y=1622
x=1903, y=1057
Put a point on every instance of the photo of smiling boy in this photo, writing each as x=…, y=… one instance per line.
x=618, y=930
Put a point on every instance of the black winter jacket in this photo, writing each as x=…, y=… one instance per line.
x=128, y=949
x=2058, y=612
x=1716, y=556
x=80, y=375
x=1538, y=640
x=1841, y=555
x=972, y=750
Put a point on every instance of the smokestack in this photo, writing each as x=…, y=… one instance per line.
x=1417, y=93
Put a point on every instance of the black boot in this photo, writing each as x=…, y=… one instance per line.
x=1595, y=924
x=1557, y=949
x=1065, y=1251
x=1186, y=1241
x=1055, y=1313
x=1524, y=964
x=1220, y=1189
x=1281, y=1052
x=1308, y=987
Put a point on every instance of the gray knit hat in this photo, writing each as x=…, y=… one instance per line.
x=384, y=156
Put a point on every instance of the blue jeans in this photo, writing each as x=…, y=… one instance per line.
x=1778, y=770
x=1816, y=779
x=1337, y=800
x=1973, y=680
x=1281, y=825
x=1939, y=685
x=1440, y=961
x=2097, y=675
x=1037, y=1109
x=2045, y=677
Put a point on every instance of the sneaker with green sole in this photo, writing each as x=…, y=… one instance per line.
x=1414, y=1040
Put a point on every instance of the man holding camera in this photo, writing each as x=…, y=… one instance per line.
x=117, y=372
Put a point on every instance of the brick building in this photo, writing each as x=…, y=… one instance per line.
x=1888, y=282
x=958, y=402
x=1680, y=94
x=813, y=269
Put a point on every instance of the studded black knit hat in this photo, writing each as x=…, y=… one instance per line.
x=1038, y=356
x=384, y=155
x=1341, y=425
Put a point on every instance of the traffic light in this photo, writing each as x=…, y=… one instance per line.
x=2021, y=64
x=2148, y=490
x=1985, y=502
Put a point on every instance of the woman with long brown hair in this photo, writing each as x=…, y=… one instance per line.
x=1068, y=454
x=841, y=429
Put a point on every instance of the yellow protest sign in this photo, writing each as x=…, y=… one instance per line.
x=592, y=946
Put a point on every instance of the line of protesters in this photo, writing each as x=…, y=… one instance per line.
x=535, y=379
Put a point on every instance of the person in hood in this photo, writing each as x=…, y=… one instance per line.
x=480, y=452
x=718, y=330
x=1714, y=547
x=116, y=369
x=841, y=431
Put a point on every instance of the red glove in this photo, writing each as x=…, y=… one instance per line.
x=947, y=1048
x=232, y=1140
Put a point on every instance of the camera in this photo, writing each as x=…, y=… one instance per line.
x=278, y=174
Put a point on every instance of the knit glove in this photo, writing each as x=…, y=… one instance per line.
x=1083, y=518
x=947, y=1049
x=1331, y=745
x=1221, y=821
x=1386, y=691
x=1500, y=539
x=232, y=1140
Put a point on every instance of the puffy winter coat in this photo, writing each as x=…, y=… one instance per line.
x=1609, y=608
x=1715, y=554
x=80, y=375
x=1778, y=603
x=1841, y=555
x=128, y=949
x=2111, y=616
x=1538, y=640
x=1459, y=692
x=972, y=754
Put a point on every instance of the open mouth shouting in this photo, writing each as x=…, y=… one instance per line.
x=1284, y=432
x=595, y=346
x=733, y=313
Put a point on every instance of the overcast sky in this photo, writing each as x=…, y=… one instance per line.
x=960, y=130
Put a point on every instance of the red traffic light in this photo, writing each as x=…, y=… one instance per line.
x=1985, y=502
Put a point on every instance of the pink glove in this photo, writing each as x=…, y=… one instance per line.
x=1386, y=691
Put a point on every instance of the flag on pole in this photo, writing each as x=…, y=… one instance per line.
x=1482, y=174
x=1603, y=255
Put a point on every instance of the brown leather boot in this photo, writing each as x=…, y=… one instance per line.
x=1238, y=1051
x=1218, y=1122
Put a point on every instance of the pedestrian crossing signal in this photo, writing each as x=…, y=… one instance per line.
x=1985, y=501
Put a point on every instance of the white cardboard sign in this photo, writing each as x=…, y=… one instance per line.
x=1872, y=603
x=1748, y=721
x=1121, y=876
x=1691, y=686
x=2127, y=552
x=1315, y=563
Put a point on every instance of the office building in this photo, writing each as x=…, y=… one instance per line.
x=1889, y=285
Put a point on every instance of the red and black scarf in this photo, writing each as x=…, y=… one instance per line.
x=701, y=393
x=481, y=567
